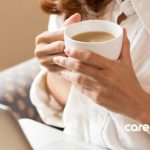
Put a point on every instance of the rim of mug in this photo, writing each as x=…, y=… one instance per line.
x=97, y=21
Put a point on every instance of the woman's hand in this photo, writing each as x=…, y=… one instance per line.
x=48, y=46
x=51, y=44
x=112, y=84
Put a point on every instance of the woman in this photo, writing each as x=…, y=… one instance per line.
x=117, y=92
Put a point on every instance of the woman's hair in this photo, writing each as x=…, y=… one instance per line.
x=87, y=8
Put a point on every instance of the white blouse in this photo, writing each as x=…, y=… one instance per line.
x=82, y=117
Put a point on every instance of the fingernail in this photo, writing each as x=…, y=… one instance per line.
x=63, y=73
x=56, y=59
x=67, y=51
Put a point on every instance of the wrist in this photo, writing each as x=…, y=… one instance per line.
x=58, y=87
x=144, y=111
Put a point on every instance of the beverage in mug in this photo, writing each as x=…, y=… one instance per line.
x=93, y=36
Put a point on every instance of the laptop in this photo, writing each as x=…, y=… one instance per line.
x=28, y=135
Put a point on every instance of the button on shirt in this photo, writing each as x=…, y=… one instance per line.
x=84, y=118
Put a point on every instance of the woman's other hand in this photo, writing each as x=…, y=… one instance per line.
x=48, y=46
x=51, y=44
x=112, y=84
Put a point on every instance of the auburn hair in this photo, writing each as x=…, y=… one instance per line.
x=87, y=8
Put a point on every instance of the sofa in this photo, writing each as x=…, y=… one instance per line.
x=15, y=84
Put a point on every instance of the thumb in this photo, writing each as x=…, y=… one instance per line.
x=125, y=51
x=73, y=19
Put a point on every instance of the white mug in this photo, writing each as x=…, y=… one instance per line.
x=110, y=48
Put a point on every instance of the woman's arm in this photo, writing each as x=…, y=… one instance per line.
x=58, y=87
x=144, y=115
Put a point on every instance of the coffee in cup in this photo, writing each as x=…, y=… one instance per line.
x=93, y=36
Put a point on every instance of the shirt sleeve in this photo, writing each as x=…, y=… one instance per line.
x=55, y=22
x=48, y=108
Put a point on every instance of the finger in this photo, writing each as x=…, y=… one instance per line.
x=98, y=97
x=47, y=61
x=49, y=37
x=89, y=58
x=79, y=79
x=55, y=68
x=78, y=66
x=90, y=93
x=125, y=51
x=86, y=91
x=49, y=49
x=74, y=18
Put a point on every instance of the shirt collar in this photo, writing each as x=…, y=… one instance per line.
x=122, y=7
x=142, y=9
